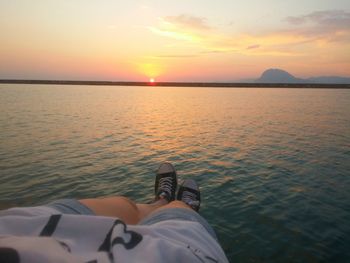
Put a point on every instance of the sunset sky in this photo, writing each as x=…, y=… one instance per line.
x=182, y=40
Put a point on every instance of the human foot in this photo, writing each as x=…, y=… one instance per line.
x=166, y=182
x=189, y=194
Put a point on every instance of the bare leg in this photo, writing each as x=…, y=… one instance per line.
x=127, y=210
x=173, y=204
x=132, y=213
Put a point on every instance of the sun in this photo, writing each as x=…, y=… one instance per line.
x=151, y=80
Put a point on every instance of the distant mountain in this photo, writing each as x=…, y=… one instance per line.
x=278, y=76
x=282, y=76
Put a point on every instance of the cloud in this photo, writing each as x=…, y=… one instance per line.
x=333, y=25
x=308, y=32
x=188, y=22
x=215, y=51
x=314, y=30
x=182, y=27
x=210, y=40
x=173, y=56
x=175, y=34
x=253, y=46
x=330, y=18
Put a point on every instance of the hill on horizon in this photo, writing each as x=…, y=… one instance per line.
x=274, y=75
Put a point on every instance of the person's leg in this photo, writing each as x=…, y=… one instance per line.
x=188, y=197
x=132, y=213
x=122, y=207
x=185, y=209
x=125, y=209
x=129, y=211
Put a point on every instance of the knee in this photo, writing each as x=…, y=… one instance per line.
x=128, y=201
x=177, y=204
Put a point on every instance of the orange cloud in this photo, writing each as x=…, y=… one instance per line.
x=289, y=42
x=176, y=34
x=188, y=22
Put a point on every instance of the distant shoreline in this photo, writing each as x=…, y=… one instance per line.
x=177, y=84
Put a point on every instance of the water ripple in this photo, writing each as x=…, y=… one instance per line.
x=273, y=165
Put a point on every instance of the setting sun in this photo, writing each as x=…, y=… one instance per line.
x=151, y=80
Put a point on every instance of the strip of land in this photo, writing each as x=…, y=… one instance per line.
x=177, y=84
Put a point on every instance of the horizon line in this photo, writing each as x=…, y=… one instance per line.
x=175, y=83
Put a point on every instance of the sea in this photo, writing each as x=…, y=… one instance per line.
x=273, y=164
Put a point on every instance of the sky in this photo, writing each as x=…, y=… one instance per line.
x=178, y=40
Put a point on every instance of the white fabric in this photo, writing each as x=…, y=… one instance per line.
x=82, y=238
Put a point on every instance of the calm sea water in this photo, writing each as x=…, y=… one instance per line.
x=273, y=164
